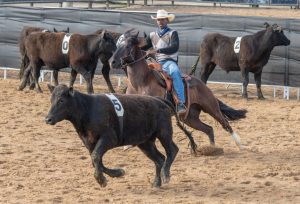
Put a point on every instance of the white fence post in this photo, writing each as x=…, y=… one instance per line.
x=5, y=74
x=286, y=92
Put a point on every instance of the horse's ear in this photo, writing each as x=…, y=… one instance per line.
x=50, y=87
x=54, y=29
x=68, y=30
x=145, y=34
x=266, y=24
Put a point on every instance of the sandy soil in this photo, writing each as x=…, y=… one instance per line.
x=40, y=163
x=49, y=164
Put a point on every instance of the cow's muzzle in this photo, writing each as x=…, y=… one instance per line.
x=49, y=121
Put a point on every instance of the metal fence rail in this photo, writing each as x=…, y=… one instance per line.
x=291, y=3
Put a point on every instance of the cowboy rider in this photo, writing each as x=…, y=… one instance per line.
x=165, y=44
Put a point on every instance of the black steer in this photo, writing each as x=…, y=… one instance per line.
x=99, y=127
x=255, y=51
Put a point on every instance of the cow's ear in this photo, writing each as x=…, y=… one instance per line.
x=266, y=24
x=50, y=87
x=71, y=91
x=103, y=34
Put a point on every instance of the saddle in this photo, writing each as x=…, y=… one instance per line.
x=166, y=82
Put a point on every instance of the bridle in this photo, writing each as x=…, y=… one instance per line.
x=129, y=59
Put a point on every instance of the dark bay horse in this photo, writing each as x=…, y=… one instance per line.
x=251, y=54
x=141, y=80
x=84, y=52
x=24, y=59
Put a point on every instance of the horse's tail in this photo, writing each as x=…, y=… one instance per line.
x=230, y=113
x=179, y=124
x=24, y=63
x=192, y=72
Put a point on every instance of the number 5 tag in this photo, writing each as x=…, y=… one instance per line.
x=117, y=104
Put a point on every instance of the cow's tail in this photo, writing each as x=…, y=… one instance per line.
x=193, y=70
x=24, y=64
x=180, y=125
x=230, y=113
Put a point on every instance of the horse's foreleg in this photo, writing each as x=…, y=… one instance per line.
x=257, y=78
x=150, y=150
x=245, y=76
x=105, y=73
x=73, y=76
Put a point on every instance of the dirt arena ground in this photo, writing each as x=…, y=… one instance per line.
x=40, y=163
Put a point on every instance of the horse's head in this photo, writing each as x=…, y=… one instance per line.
x=277, y=35
x=126, y=51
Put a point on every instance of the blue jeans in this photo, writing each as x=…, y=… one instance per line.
x=171, y=68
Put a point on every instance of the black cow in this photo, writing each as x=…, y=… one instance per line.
x=99, y=127
x=255, y=50
x=82, y=57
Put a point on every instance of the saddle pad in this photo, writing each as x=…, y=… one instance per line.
x=65, y=43
x=237, y=45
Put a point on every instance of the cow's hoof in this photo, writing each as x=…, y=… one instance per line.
x=38, y=90
x=32, y=86
x=165, y=177
x=116, y=172
x=245, y=97
x=101, y=180
x=156, y=183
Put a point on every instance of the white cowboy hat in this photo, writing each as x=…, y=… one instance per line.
x=161, y=14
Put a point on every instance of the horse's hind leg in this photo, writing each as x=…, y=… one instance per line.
x=194, y=121
x=171, y=151
x=152, y=153
x=225, y=124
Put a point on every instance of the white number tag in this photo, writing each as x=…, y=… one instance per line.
x=117, y=104
x=65, y=43
x=237, y=44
